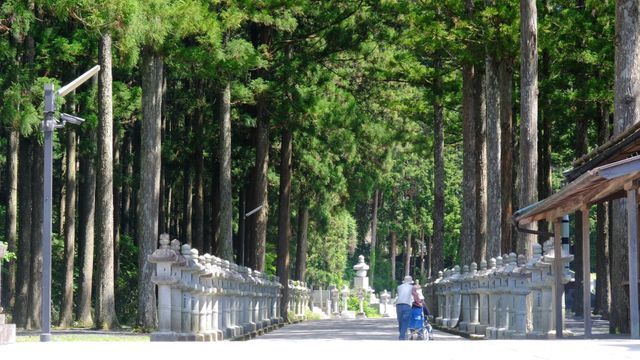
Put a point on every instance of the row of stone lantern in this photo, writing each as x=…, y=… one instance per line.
x=299, y=296
x=205, y=298
x=492, y=300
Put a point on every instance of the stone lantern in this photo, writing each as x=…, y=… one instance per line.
x=346, y=314
x=361, y=314
x=361, y=281
x=345, y=298
x=7, y=331
x=384, y=297
x=335, y=297
x=164, y=258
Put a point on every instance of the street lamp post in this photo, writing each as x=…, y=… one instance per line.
x=49, y=124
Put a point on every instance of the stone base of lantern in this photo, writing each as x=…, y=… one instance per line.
x=565, y=333
x=463, y=326
x=361, y=315
x=512, y=334
x=538, y=335
x=251, y=327
x=233, y=332
x=7, y=332
x=471, y=328
x=164, y=336
x=348, y=315
x=481, y=329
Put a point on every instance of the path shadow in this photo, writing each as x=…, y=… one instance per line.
x=385, y=329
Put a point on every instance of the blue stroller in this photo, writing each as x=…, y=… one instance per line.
x=419, y=327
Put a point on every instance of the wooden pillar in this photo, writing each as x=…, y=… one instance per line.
x=632, y=232
x=586, y=272
x=558, y=272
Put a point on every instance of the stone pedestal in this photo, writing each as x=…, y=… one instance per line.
x=360, y=282
x=7, y=331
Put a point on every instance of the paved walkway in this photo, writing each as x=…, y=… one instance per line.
x=385, y=329
x=329, y=339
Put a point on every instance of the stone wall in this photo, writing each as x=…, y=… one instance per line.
x=510, y=298
x=205, y=298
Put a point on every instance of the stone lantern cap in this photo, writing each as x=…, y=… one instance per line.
x=163, y=254
x=361, y=268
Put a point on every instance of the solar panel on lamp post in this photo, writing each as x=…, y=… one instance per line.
x=49, y=124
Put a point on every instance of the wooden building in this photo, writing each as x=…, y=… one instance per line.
x=612, y=171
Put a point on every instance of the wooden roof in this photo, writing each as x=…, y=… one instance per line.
x=599, y=184
x=619, y=147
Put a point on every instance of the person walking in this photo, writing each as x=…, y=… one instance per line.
x=403, y=305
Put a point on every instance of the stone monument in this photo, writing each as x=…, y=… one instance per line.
x=7, y=331
x=361, y=281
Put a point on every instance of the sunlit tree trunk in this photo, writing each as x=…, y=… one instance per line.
x=25, y=202
x=66, y=312
x=284, y=218
x=626, y=113
x=105, y=287
x=11, y=229
x=528, y=117
x=479, y=112
x=506, y=155
x=603, y=280
x=374, y=235
x=86, y=220
x=494, y=142
x=301, y=250
x=435, y=254
x=225, y=243
x=392, y=253
x=150, y=163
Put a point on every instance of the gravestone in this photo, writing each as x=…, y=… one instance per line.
x=7, y=331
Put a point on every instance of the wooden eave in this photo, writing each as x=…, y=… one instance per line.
x=602, y=183
x=617, y=148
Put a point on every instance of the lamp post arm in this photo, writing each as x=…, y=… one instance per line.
x=78, y=81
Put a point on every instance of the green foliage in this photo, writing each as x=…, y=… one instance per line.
x=328, y=249
x=353, y=304
x=311, y=316
x=126, y=293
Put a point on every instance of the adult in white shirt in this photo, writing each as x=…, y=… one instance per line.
x=403, y=305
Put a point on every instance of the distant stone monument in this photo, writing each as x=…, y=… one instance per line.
x=7, y=331
x=361, y=281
